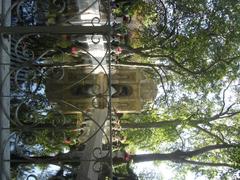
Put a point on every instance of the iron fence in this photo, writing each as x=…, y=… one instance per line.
x=56, y=112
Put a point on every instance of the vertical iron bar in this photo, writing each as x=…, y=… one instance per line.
x=110, y=82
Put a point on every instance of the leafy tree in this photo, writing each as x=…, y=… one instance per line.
x=190, y=122
x=187, y=42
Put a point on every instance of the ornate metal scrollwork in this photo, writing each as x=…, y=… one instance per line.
x=59, y=92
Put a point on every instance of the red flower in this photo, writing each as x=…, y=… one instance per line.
x=67, y=142
x=127, y=157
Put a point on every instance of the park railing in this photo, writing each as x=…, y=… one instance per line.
x=55, y=69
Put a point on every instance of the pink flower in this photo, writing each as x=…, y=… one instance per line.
x=74, y=50
x=118, y=50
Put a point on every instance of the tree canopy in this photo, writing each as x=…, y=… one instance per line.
x=193, y=48
x=197, y=40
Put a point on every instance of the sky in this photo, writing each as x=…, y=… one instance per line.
x=162, y=171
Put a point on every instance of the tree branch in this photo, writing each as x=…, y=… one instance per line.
x=224, y=93
x=211, y=134
x=209, y=148
x=207, y=163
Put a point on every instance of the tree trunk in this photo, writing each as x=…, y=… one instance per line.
x=71, y=157
x=181, y=156
x=152, y=157
x=160, y=124
x=50, y=126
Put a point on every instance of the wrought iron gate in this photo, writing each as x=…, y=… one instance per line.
x=55, y=80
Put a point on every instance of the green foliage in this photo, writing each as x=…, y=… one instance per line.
x=197, y=40
x=198, y=119
x=234, y=157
